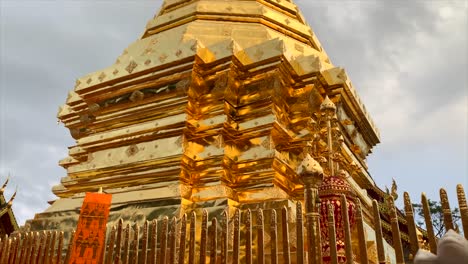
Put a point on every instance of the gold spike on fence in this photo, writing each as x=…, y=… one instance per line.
x=260, y=237
x=429, y=226
x=463, y=209
x=126, y=246
x=332, y=234
x=183, y=232
x=411, y=225
x=273, y=238
x=361, y=235
x=396, y=236
x=154, y=239
x=163, y=243
x=299, y=234
x=378, y=233
x=248, y=237
x=172, y=240
x=204, y=237
x=213, y=241
x=144, y=244
x=285, y=232
x=191, y=259
x=224, y=236
x=347, y=230
x=236, y=238
x=448, y=220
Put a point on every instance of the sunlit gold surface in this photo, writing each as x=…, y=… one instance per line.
x=211, y=107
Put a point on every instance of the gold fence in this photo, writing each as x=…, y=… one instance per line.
x=237, y=239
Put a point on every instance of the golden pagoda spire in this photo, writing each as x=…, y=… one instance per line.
x=211, y=105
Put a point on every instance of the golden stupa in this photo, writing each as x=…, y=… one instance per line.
x=212, y=107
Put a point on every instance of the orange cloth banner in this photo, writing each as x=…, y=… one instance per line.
x=90, y=235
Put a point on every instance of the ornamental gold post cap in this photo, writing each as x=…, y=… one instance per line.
x=310, y=171
x=328, y=106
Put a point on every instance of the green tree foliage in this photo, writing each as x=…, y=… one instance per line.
x=437, y=216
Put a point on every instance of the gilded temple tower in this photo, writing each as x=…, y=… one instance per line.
x=213, y=106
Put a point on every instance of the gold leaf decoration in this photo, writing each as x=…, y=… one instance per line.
x=131, y=66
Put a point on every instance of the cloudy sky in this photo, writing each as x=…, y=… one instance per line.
x=407, y=59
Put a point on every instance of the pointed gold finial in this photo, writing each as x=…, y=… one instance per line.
x=5, y=184
x=10, y=202
x=329, y=109
x=394, y=193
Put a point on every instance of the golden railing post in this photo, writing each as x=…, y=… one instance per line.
x=52, y=247
x=59, y=250
x=24, y=247
x=3, y=242
x=110, y=246
x=13, y=247
x=183, y=238
x=332, y=235
x=204, y=236
x=312, y=224
x=31, y=257
x=299, y=234
x=347, y=231
x=30, y=250
x=3, y=249
x=285, y=235
x=118, y=243
x=136, y=244
x=429, y=226
x=274, y=238
x=378, y=233
x=40, y=251
x=214, y=240
x=163, y=243
x=14, y=250
x=361, y=235
x=6, y=251
x=448, y=221
x=172, y=240
x=260, y=237
x=318, y=237
x=193, y=228
x=144, y=245
x=154, y=242
x=236, y=240
x=248, y=237
x=463, y=209
x=45, y=257
x=126, y=242
x=400, y=259
x=224, y=237
x=70, y=246
x=414, y=243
